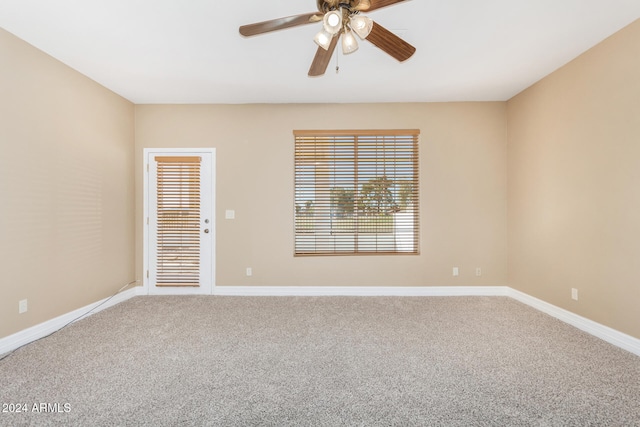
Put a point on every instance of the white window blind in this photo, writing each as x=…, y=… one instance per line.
x=178, y=232
x=356, y=192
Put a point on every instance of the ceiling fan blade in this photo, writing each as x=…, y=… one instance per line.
x=390, y=43
x=377, y=4
x=322, y=58
x=280, y=23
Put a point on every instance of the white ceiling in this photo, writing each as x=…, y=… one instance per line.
x=190, y=51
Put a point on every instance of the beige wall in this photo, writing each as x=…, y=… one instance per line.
x=462, y=177
x=66, y=188
x=574, y=185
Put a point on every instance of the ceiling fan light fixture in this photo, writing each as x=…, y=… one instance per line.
x=339, y=17
x=323, y=39
x=349, y=43
x=361, y=25
x=332, y=22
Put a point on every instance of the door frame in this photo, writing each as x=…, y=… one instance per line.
x=145, y=218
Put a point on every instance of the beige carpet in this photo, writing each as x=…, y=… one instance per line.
x=321, y=361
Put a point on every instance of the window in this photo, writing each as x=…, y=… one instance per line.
x=356, y=192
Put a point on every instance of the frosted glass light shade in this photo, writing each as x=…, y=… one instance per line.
x=323, y=39
x=349, y=42
x=332, y=22
x=361, y=25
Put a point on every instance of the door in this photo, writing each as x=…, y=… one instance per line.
x=180, y=222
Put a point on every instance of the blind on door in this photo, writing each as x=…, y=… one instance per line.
x=178, y=204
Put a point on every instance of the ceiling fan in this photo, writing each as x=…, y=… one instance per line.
x=340, y=18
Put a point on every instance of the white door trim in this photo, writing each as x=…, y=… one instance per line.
x=145, y=216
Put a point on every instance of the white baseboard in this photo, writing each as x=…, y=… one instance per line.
x=596, y=329
x=406, y=291
x=36, y=332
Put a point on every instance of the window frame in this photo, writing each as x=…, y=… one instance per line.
x=308, y=143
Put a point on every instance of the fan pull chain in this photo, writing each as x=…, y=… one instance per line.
x=337, y=62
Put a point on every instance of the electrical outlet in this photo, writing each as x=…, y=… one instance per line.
x=456, y=272
x=22, y=306
x=478, y=271
x=249, y=271
x=574, y=294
